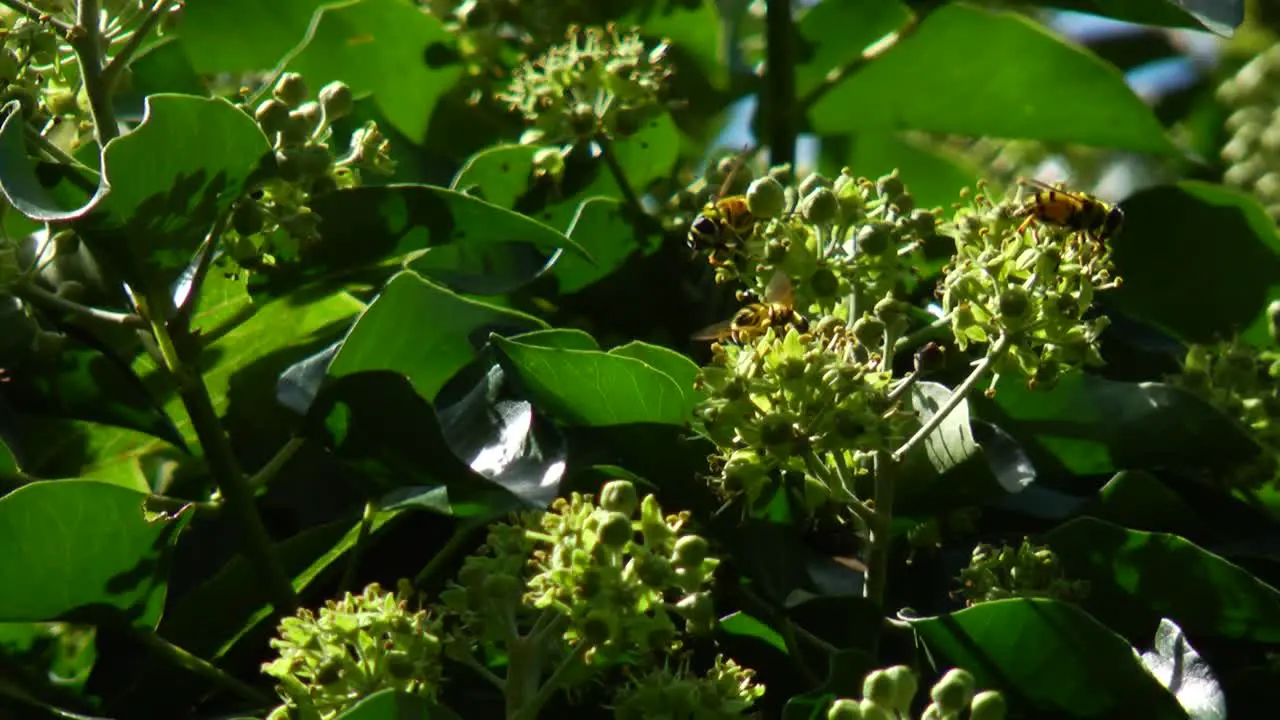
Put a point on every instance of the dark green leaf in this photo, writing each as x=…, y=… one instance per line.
x=1181, y=669
x=1199, y=261
x=586, y=387
x=740, y=623
x=1135, y=576
x=389, y=49
x=833, y=33
x=971, y=71
x=1137, y=499
x=450, y=330
x=36, y=195
x=395, y=705
x=844, y=679
x=1090, y=425
x=162, y=68
x=603, y=229
x=693, y=26
x=1220, y=16
x=236, y=36
x=83, y=551
x=565, y=338
x=370, y=231
x=1015, y=645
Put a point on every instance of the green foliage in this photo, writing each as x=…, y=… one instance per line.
x=305, y=297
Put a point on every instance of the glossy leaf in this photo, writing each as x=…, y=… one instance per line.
x=1181, y=669
x=1200, y=261
x=368, y=231
x=1138, y=500
x=34, y=194
x=604, y=229
x=394, y=705
x=1135, y=575
x=82, y=550
x=243, y=35
x=566, y=338
x=405, y=58
x=952, y=442
x=671, y=363
x=834, y=33
x=740, y=623
x=586, y=387
x=1220, y=16
x=1089, y=425
x=1015, y=644
x=424, y=331
x=971, y=71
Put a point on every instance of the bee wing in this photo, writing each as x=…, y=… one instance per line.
x=716, y=331
x=1041, y=185
x=746, y=153
x=780, y=290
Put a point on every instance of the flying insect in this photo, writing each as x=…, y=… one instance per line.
x=751, y=321
x=724, y=224
x=1072, y=210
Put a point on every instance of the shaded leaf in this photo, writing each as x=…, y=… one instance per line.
x=1199, y=261
x=1030, y=83
x=1181, y=669
x=391, y=704
x=586, y=387
x=604, y=230
x=369, y=231
x=1138, y=500
x=952, y=442
x=566, y=338
x=451, y=329
x=740, y=623
x=83, y=551
x=694, y=27
x=1090, y=425
x=33, y=194
x=1220, y=16
x=383, y=48
x=1015, y=644
x=230, y=36
x=844, y=679
x=1136, y=576
x=834, y=33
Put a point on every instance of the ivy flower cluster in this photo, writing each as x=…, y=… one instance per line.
x=1027, y=571
x=1252, y=154
x=726, y=690
x=597, y=82
x=352, y=648
x=887, y=694
x=1028, y=290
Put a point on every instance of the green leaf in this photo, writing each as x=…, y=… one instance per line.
x=932, y=174
x=833, y=33
x=1181, y=669
x=1048, y=656
x=671, y=363
x=586, y=387
x=450, y=331
x=391, y=704
x=369, y=231
x=1088, y=425
x=740, y=623
x=604, y=230
x=970, y=71
x=390, y=49
x=1198, y=260
x=83, y=551
x=164, y=67
x=694, y=28
x=1219, y=16
x=1137, y=499
x=566, y=338
x=1136, y=577
x=952, y=442
x=237, y=36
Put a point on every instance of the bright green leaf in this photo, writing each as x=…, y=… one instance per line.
x=740, y=623
x=232, y=36
x=694, y=28
x=674, y=365
x=566, y=338
x=933, y=175
x=393, y=705
x=73, y=547
x=833, y=33
x=976, y=72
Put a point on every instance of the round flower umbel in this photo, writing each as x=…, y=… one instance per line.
x=1027, y=291
x=1252, y=155
x=888, y=694
x=727, y=690
x=596, y=82
x=353, y=648
x=816, y=404
x=1028, y=571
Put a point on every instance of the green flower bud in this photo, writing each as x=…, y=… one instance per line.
x=988, y=705
x=844, y=709
x=690, y=551
x=248, y=218
x=812, y=183
x=62, y=102
x=654, y=571
x=1273, y=315
x=616, y=531
x=905, y=684
x=1014, y=302
x=291, y=89
x=620, y=496
x=698, y=610
x=766, y=197
x=869, y=331
x=600, y=626
x=874, y=238
x=874, y=711
x=777, y=430
x=878, y=687
x=954, y=691
x=308, y=114
x=820, y=207
x=272, y=116
x=891, y=186
x=336, y=100
x=824, y=282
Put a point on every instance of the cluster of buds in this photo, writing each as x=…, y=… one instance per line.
x=727, y=690
x=887, y=695
x=1252, y=154
x=617, y=575
x=598, y=81
x=276, y=218
x=1244, y=383
x=813, y=404
x=1030, y=287
x=36, y=70
x=1028, y=571
x=353, y=648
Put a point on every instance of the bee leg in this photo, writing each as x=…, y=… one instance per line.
x=1026, y=223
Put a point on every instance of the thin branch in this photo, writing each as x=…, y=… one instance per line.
x=871, y=53
x=881, y=531
x=39, y=294
x=34, y=13
x=56, y=153
x=116, y=66
x=85, y=39
x=357, y=549
x=531, y=709
x=780, y=82
x=957, y=396
x=184, y=659
x=276, y=463
x=619, y=175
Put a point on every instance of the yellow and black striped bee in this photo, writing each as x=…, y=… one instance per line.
x=1072, y=210
x=725, y=224
x=751, y=321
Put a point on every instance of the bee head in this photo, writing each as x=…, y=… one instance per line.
x=703, y=230
x=1113, y=222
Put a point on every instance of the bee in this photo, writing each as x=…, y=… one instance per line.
x=1072, y=210
x=751, y=321
x=725, y=224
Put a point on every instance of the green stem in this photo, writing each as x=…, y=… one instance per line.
x=619, y=175
x=34, y=13
x=933, y=329
x=62, y=156
x=85, y=39
x=958, y=395
x=38, y=294
x=116, y=66
x=357, y=550
x=460, y=534
x=869, y=54
x=529, y=709
x=276, y=463
x=198, y=666
x=881, y=526
x=780, y=79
